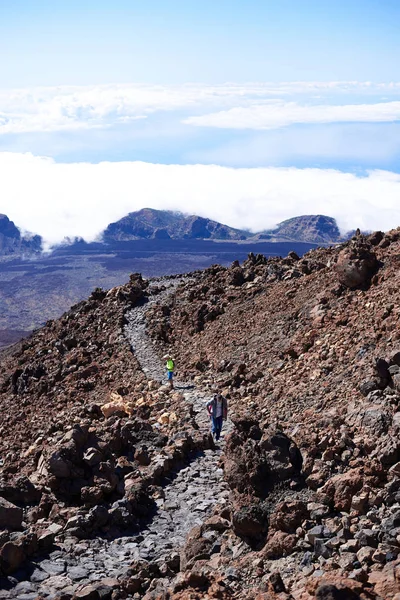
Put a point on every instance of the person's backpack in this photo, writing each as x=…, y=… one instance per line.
x=170, y=364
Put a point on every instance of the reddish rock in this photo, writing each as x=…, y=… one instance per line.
x=288, y=516
x=340, y=489
x=89, y=592
x=216, y=523
x=386, y=583
x=195, y=549
x=279, y=544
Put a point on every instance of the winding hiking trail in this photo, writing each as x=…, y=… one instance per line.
x=199, y=486
x=189, y=497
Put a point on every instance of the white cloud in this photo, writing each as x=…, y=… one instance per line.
x=84, y=107
x=282, y=114
x=80, y=199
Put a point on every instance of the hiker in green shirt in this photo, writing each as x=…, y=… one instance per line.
x=170, y=366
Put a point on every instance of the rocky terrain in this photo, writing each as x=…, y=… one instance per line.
x=308, y=347
x=111, y=485
x=36, y=288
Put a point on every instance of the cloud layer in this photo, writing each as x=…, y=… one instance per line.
x=258, y=105
x=80, y=199
x=281, y=114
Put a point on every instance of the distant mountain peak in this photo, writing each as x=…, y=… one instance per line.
x=8, y=228
x=318, y=229
x=12, y=242
x=149, y=223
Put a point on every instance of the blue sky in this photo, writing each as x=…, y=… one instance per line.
x=305, y=85
x=56, y=42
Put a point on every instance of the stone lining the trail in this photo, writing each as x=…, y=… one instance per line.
x=187, y=500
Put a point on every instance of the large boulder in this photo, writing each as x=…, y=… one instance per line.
x=20, y=491
x=10, y=515
x=356, y=264
x=280, y=544
x=251, y=523
x=255, y=460
x=11, y=557
x=340, y=489
x=288, y=515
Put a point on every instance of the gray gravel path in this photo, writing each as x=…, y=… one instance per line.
x=189, y=498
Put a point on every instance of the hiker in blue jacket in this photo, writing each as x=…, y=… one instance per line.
x=218, y=411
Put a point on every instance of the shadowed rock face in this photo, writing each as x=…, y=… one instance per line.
x=8, y=229
x=257, y=460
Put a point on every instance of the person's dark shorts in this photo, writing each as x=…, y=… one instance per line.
x=170, y=375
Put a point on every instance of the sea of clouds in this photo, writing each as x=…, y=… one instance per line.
x=246, y=106
x=80, y=199
x=58, y=199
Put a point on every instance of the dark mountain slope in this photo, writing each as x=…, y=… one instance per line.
x=164, y=224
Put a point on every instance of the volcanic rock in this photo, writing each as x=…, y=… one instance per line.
x=308, y=367
x=255, y=466
x=11, y=557
x=10, y=515
x=251, y=522
x=356, y=264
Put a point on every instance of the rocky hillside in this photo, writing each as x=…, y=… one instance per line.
x=308, y=347
x=12, y=242
x=105, y=471
x=165, y=224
